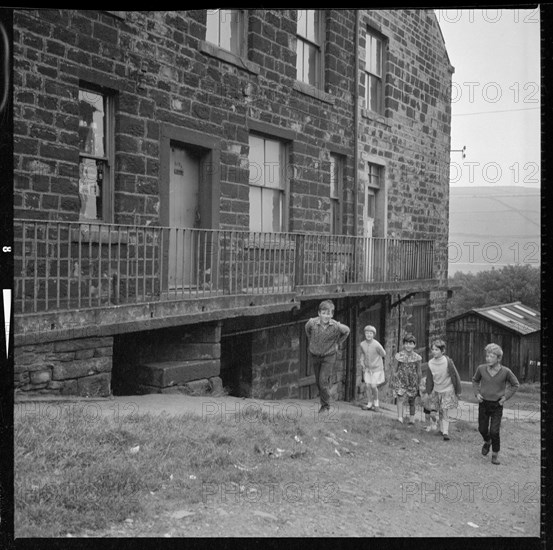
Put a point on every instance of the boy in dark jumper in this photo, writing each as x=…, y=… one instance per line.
x=493, y=384
x=325, y=336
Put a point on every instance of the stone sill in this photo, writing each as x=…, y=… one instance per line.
x=117, y=14
x=375, y=117
x=270, y=244
x=96, y=234
x=309, y=90
x=229, y=57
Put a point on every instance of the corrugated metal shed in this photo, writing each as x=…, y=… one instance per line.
x=515, y=316
x=513, y=326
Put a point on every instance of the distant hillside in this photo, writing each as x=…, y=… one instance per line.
x=493, y=227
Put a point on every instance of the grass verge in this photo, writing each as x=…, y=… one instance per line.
x=78, y=475
x=74, y=474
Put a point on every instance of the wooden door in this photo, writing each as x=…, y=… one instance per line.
x=184, y=181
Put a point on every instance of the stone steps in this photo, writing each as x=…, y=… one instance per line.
x=194, y=376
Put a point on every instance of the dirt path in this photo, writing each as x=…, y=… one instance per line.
x=414, y=484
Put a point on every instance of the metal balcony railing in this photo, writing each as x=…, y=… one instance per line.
x=62, y=265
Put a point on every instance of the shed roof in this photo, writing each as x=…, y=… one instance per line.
x=515, y=316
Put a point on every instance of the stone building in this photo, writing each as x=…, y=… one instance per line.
x=189, y=185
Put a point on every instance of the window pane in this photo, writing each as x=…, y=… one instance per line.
x=229, y=39
x=373, y=61
x=299, y=61
x=371, y=204
x=91, y=174
x=267, y=210
x=273, y=168
x=378, y=96
x=212, y=31
x=311, y=65
x=302, y=23
x=374, y=88
x=334, y=217
x=255, y=208
x=312, y=18
x=235, y=45
x=333, y=177
x=256, y=161
x=374, y=175
x=91, y=123
x=277, y=199
x=378, y=57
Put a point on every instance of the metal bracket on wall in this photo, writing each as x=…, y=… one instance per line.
x=403, y=299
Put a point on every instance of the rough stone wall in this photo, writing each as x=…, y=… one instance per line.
x=163, y=72
x=438, y=314
x=275, y=363
x=412, y=137
x=68, y=367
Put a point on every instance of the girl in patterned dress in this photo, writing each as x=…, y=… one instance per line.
x=443, y=379
x=406, y=377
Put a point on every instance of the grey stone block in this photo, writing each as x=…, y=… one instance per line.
x=94, y=386
x=172, y=373
x=41, y=376
x=216, y=384
x=198, y=387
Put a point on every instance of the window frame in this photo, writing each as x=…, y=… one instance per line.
x=318, y=43
x=368, y=74
x=108, y=187
x=284, y=189
x=374, y=172
x=241, y=31
x=376, y=184
x=338, y=162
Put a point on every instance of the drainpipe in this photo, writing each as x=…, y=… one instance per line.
x=398, y=303
x=356, y=124
x=353, y=335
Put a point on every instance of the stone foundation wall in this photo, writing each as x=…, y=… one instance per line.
x=276, y=363
x=68, y=367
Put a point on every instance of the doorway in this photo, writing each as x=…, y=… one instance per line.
x=236, y=364
x=374, y=224
x=369, y=214
x=184, y=215
x=189, y=205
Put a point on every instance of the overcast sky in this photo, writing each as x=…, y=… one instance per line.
x=495, y=95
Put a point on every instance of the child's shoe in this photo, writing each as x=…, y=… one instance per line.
x=446, y=437
x=486, y=448
x=495, y=460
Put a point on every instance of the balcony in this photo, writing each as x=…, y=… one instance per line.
x=69, y=266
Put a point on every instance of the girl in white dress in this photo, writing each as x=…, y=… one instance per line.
x=371, y=355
